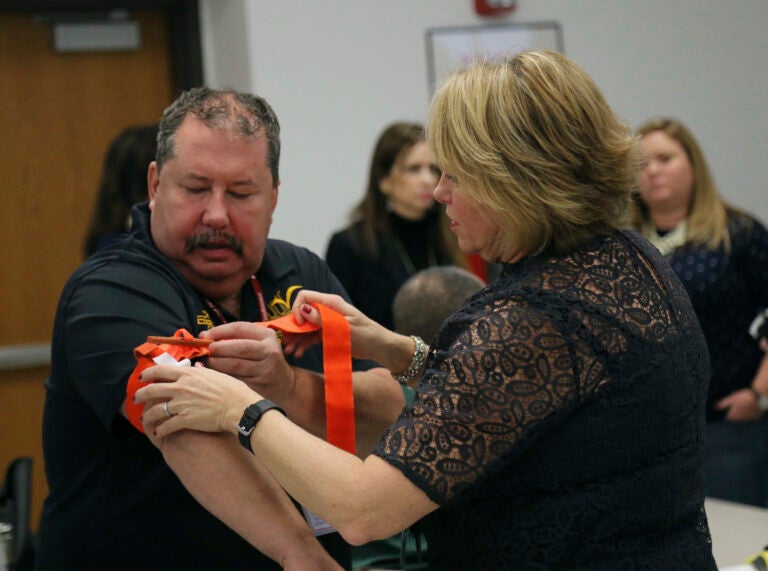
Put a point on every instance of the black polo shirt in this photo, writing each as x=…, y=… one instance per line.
x=113, y=502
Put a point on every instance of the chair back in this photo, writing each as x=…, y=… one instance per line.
x=15, y=507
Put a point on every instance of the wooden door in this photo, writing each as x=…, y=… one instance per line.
x=58, y=114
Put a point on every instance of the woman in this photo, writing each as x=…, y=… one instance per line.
x=123, y=184
x=396, y=229
x=559, y=417
x=721, y=256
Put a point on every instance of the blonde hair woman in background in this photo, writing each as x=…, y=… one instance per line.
x=721, y=255
x=558, y=421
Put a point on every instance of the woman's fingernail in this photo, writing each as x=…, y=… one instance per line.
x=141, y=375
x=306, y=309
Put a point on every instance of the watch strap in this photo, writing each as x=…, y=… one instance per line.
x=251, y=416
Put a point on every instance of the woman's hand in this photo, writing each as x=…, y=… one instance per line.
x=302, y=311
x=740, y=406
x=369, y=339
x=195, y=397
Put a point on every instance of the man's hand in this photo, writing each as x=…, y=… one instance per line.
x=253, y=354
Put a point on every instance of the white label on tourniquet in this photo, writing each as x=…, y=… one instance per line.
x=166, y=359
x=318, y=524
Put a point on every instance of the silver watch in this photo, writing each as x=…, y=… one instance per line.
x=762, y=400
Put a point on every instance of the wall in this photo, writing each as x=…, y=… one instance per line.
x=338, y=71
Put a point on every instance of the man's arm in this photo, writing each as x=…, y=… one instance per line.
x=109, y=315
x=239, y=491
x=378, y=401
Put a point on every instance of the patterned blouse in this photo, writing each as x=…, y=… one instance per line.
x=727, y=290
x=559, y=421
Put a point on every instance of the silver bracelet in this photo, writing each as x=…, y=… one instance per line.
x=417, y=361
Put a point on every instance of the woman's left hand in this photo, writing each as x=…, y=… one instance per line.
x=195, y=398
x=740, y=406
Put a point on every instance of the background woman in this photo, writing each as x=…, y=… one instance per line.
x=721, y=256
x=123, y=184
x=559, y=418
x=397, y=229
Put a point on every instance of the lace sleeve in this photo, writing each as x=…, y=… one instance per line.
x=504, y=377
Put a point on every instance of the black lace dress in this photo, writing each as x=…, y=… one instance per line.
x=559, y=421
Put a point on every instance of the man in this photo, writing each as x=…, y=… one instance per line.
x=198, y=257
x=428, y=297
x=419, y=308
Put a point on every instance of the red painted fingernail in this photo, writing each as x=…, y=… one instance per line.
x=306, y=309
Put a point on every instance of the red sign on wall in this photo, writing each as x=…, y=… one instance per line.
x=494, y=7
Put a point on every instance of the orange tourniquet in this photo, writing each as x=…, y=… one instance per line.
x=337, y=366
x=145, y=353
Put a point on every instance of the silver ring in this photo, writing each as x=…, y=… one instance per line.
x=166, y=412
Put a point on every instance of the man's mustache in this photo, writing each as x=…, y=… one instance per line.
x=214, y=239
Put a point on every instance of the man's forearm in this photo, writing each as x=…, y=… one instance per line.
x=241, y=493
x=378, y=401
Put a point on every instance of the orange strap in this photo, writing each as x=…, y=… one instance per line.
x=145, y=354
x=337, y=367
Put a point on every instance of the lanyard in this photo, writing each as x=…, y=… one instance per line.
x=257, y=291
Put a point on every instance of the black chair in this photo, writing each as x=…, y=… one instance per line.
x=15, y=507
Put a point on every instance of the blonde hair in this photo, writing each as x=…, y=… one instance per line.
x=707, y=212
x=532, y=139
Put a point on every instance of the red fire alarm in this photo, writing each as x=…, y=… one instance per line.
x=494, y=7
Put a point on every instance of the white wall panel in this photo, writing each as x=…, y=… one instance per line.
x=337, y=71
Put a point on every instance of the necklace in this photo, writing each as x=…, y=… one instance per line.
x=670, y=241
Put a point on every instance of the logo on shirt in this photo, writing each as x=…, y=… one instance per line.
x=203, y=318
x=280, y=305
